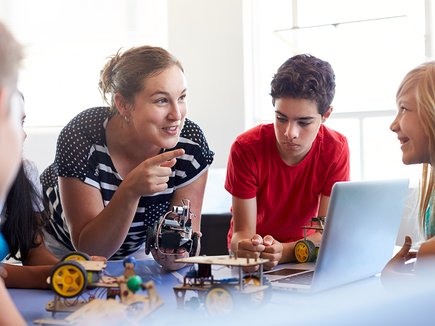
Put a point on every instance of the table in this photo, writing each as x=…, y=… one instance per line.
x=361, y=303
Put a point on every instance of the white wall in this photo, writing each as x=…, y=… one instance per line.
x=207, y=36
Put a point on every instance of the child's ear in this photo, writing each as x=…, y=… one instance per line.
x=327, y=114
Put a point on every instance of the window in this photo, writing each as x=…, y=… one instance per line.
x=370, y=44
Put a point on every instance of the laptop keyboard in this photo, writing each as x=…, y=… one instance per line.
x=304, y=278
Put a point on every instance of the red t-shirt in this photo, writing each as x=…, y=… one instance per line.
x=287, y=196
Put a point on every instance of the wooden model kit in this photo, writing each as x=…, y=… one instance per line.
x=222, y=296
x=81, y=287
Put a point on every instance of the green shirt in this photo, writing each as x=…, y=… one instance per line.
x=429, y=226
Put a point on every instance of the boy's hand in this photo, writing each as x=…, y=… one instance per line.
x=272, y=251
x=251, y=248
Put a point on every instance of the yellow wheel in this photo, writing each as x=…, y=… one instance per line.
x=257, y=297
x=219, y=301
x=305, y=251
x=68, y=279
x=252, y=280
x=76, y=255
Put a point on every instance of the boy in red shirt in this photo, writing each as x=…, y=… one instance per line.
x=281, y=175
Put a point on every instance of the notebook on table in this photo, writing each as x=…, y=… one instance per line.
x=360, y=231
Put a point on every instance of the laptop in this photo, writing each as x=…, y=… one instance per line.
x=358, y=238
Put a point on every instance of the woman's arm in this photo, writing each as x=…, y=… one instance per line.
x=95, y=229
x=99, y=230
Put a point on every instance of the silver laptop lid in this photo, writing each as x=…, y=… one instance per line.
x=360, y=232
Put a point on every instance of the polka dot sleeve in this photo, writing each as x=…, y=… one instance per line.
x=76, y=140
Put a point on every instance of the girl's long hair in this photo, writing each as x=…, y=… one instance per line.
x=422, y=79
x=23, y=225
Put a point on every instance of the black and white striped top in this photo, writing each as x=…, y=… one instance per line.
x=82, y=153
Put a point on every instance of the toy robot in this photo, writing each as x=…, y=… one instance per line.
x=173, y=231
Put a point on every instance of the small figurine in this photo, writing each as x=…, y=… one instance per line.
x=129, y=264
x=173, y=231
x=306, y=250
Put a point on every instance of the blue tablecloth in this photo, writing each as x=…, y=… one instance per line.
x=361, y=303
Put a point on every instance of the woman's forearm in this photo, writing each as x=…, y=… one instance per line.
x=104, y=235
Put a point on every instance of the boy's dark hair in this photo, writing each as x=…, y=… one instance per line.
x=307, y=77
x=23, y=225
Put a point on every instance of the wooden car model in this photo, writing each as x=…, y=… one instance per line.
x=221, y=296
x=78, y=281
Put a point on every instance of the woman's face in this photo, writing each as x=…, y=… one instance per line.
x=11, y=138
x=160, y=109
x=407, y=125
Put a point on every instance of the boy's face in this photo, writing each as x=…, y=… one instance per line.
x=297, y=122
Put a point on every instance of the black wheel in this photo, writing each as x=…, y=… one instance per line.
x=193, y=303
x=68, y=279
x=76, y=255
x=195, y=244
x=219, y=301
x=150, y=240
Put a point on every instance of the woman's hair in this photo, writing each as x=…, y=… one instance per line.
x=307, y=77
x=422, y=80
x=23, y=226
x=125, y=72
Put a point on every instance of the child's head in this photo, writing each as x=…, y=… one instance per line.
x=11, y=111
x=305, y=77
x=415, y=128
x=415, y=120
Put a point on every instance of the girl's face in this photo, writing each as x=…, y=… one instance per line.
x=407, y=125
x=297, y=122
x=160, y=108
